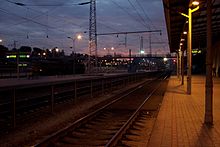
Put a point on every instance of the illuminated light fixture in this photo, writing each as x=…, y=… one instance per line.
x=142, y=52
x=185, y=32
x=112, y=48
x=0, y=40
x=104, y=48
x=181, y=43
x=44, y=53
x=79, y=37
x=57, y=50
x=165, y=59
x=11, y=56
x=182, y=39
x=24, y=56
x=195, y=3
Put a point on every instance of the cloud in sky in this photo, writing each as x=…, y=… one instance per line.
x=31, y=24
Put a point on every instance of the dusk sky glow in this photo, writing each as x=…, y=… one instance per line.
x=31, y=24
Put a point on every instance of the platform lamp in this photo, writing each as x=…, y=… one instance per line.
x=78, y=37
x=189, y=44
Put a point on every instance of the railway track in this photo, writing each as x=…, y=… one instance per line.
x=20, y=102
x=113, y=123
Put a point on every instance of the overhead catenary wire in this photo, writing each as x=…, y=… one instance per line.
x=138, y=14
x=33, y=21
x=122, y=8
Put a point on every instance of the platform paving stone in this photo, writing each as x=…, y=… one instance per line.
x=180, y=122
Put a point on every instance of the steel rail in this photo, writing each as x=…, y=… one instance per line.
x=64, y=131
x=113, y=141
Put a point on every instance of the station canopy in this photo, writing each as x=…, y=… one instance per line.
x=177, y=24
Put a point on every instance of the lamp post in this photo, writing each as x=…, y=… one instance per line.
x=189, y=45
x=78, y=37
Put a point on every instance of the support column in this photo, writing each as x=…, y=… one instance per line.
x=182, y=67
x=177, y=64
x=180, y=63
x=189, y=52
x=209, y=61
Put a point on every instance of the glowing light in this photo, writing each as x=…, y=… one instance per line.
x=181, y=43
x=185, y=32
x=11, y=56
x=44, y=53
x=182, y=39
x=195, y=3
x=104, y=48
x=112, y=48
x=0, y=40
x=165, y=59
x=57, y=50
x=79, y=37
x=142, y=52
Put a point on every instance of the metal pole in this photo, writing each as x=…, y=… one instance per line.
x=182, y=67
x=189, y=52
x=17, y=60
x=177, y=64
x=14, y=108
x=75, y=92
x=74, y=56
x=52, y=99
x=209, y=61
x=180, y=63
x=91, y=89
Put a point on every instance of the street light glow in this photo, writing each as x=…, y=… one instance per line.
x=79, y=37
x=195, y=3
x=142, y=52
x=165, y=59
x=185, y=32
x=112, y=48
x=0, y=40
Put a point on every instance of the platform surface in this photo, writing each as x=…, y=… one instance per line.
x=180, y=122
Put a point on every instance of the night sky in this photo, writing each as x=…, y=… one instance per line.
x=48, y=23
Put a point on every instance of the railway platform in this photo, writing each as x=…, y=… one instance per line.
x=180, y=121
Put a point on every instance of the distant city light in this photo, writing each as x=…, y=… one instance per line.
x=57, y=50
x=44, y=53
x=165, y=59
x=79, y=37
x=142, y=52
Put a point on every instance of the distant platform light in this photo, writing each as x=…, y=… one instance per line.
x=195, y=3
x=142, y=52
x=165, y=59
